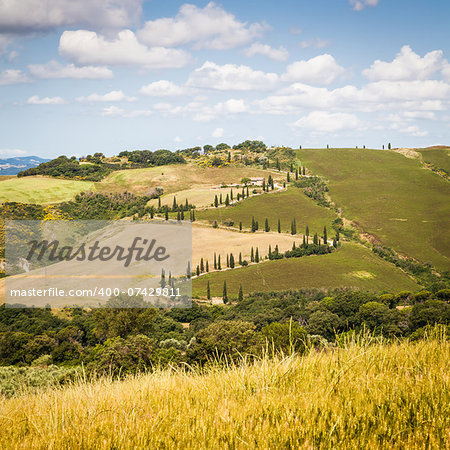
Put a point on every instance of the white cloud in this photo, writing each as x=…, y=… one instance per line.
x=217, y=133
x=413, y=130
x=231, y=77
x=54, y=69
x=321, y=70
x=446, y=72
x=430, y=115
x=406, y=66
x=211, y=27
x=13, y=76
x=162, y=88
x=277, y=54
x=112, y=111
x=177, y=139
x=314, y=43
x=113, y=96
x=231, y=106
x=13, y=56
x=11, y=152
x=325, y=122
x=359, y=5
x=87, y=47
x=5, y=40
x=36, y=100
x=26, y=16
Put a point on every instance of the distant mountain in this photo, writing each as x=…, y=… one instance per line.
x=12, y=166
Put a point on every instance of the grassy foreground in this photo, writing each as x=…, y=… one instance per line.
x=364, y=395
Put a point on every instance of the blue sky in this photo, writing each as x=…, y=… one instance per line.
x=101, y=75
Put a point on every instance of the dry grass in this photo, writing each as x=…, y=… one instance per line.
x=207, y=240
x=365, y=395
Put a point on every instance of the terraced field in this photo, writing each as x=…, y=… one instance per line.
x=286, y=206
x=403, y=205
x=42, y=190
x=351, y=266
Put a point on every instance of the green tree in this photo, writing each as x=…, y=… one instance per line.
x=224, y=294
x=231, y=260
x=266, y=226
x=208, y=291
x=216, y=201
x=279, y=226
x=240, y=294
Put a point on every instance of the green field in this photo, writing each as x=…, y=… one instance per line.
x=287, y=205
x=439, y=157
x=176, y=177
x=43, y=190
x=392, y=197
x=353, y=265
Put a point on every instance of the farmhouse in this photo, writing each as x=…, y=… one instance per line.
x=257, y=181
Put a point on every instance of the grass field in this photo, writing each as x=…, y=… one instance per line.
x=176, y=177
x=390, y=196
x=200, y=197
x=352, y=266
x=439, y=157
x=207, y=240
x=366, y=395
x=43, y=190
x=285, y=206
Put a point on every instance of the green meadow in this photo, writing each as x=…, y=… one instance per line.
x=43, y=190
x=394, y=198
x=352, y=266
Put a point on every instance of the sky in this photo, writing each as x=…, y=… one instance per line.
x=111, y=75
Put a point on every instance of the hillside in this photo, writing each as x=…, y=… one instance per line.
x=351, y=266
x=286, y=206
x=394, y=198
x=41, y=190
x=364, y=395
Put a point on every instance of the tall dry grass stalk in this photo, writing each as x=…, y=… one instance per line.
x=364, y=394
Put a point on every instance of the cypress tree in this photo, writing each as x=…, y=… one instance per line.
x=231, y=194
x=174, y=204
x=186, y=205
x=389, y=146
x=252, y=257
x=278, y=164
x=383, y=146
x=304, y=241
x=207, y=266
x=247, y=192
x=337, y=236
x=270, y=251
x=208, y=291
x=166, y=214
x=215, y=261
x=307, y=232
x=266, y=226
x=228, y=260
x=325, y=237
x=159, y=202
x=288, y=178
x=220, y=199
x=296, y=174
x=219, y=267
x=243, y=193
x=193, y=216
x=182, y=214
x=293, y=227
x=292, y=168
x=202, y=265
x=224, y=295
x=227, y=201
x=198, y=270
x=216, y=201
x=253, y=224
x=257, y=255
x=279, y=226
x=241, y=294
x=229, y=157
x=304, y=171
x=163, y=278
x=277, y=252
x=188, y=270
x=178, y=216
x=293, y=246
x=231, y=260
x=240, y=226
x=316, y=239
x=240, y=258
x=256, y=225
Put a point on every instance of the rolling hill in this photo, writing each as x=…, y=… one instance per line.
x=394, y=198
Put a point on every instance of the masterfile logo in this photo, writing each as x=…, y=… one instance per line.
x=86, y=263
